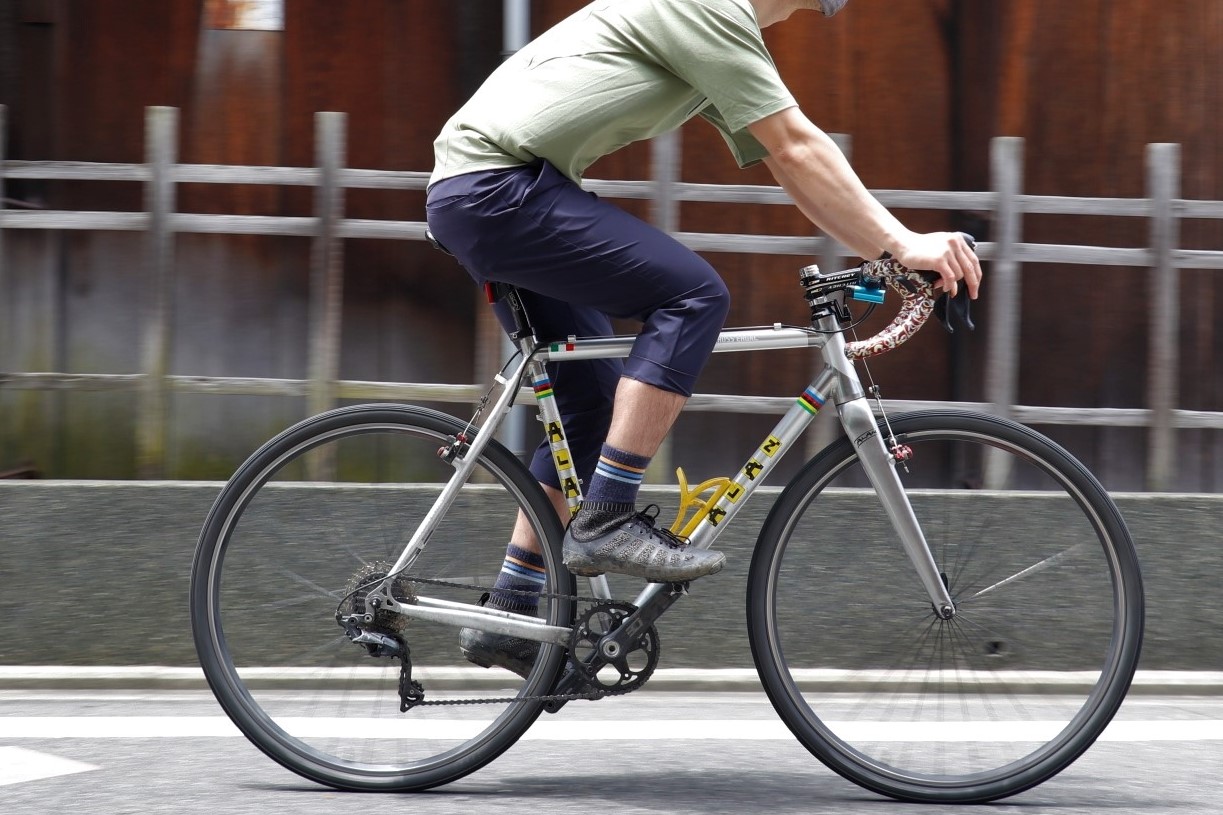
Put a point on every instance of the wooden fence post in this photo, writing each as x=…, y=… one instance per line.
x=1005, y=295
x=326, y=274
x=666, y=170
x=327, y=263
x=8, y=359
x=827, y=427
x=666, y=161
x=161, y=147
x=1163, y=365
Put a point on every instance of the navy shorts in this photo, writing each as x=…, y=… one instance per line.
x=580, y=261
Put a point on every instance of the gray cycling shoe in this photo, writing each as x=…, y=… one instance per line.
x=486, y=650
x=637, y=548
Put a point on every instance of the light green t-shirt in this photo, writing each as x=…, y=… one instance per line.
x=616, y=72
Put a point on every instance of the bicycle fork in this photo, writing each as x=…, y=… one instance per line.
x=880, y=466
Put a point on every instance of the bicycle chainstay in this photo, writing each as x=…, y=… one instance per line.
x=411, y=692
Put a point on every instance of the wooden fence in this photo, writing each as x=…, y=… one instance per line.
x=328, y=228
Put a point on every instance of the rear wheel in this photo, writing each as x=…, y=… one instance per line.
x=298, y=533
x=1000, y=698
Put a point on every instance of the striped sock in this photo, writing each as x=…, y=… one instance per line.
x=617, y=477
x=522, y=571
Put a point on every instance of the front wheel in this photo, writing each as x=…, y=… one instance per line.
x=994, y=701
x=307, y=524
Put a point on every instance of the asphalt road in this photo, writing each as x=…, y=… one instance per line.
x=113, y=752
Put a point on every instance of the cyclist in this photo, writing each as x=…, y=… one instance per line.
x=505, y=199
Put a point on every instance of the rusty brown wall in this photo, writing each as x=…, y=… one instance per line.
x=921, y=87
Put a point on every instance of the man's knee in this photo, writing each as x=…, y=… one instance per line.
x=707, y=306
x=720, y=295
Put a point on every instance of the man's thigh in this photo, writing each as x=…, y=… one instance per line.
x=540, y=231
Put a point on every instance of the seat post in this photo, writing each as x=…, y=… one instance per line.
x=495, y=292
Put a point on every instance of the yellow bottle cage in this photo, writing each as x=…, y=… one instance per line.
x=692, y=508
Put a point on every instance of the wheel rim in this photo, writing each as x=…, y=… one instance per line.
x=979, y=701
x=283, y=667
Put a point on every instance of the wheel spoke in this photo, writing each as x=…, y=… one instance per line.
x=1049, y=562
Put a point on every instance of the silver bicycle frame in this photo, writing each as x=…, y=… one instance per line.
x=838, y=381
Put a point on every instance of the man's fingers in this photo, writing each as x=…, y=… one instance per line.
x=972, y=274
x=949, y=255
x=969, y=266
x=949, y=283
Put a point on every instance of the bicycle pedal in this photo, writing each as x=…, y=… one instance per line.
x=568, y=683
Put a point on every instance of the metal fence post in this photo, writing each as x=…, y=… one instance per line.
x=326, y=273
x=161, y=147
x=1163, y=365
x=1004, y=288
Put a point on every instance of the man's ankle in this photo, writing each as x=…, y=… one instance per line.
x=597, y=518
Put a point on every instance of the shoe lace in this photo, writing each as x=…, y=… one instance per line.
x=649, y=517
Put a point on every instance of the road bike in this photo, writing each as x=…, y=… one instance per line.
x=942, y=606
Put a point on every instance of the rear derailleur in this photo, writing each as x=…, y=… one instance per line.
x=378, y=631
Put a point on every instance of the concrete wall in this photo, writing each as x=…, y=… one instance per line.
x=96, y=573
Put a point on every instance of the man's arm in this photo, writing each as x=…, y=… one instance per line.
x=810, y=167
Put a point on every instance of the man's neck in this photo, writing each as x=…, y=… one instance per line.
x=774, y=11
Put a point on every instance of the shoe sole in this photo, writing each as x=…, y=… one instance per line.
x=485, y=659
x=579, y=570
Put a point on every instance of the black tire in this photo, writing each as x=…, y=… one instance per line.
x=1042, y=650
x=278, y=554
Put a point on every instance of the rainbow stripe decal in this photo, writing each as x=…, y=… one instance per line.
x=543, y=388
x=811, y=401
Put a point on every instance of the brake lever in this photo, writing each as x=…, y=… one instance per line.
x=948, y=309
x=956, y=309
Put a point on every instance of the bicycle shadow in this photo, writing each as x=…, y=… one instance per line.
x=713, y=792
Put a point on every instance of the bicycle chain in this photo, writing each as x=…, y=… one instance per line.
x=591, y=695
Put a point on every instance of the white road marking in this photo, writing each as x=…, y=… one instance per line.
x=147, y=727
x=18, y=765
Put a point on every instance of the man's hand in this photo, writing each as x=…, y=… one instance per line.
x=946, y=253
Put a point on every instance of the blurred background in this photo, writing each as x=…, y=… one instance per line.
x=918, y=89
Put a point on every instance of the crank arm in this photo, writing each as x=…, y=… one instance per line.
x=625, y=637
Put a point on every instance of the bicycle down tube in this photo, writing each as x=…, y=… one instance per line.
x=839, y=379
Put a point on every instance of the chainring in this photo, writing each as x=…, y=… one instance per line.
x=614, y=673
x=359, y=585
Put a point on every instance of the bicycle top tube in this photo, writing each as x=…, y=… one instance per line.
x=732, y=339
x=825, y=294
